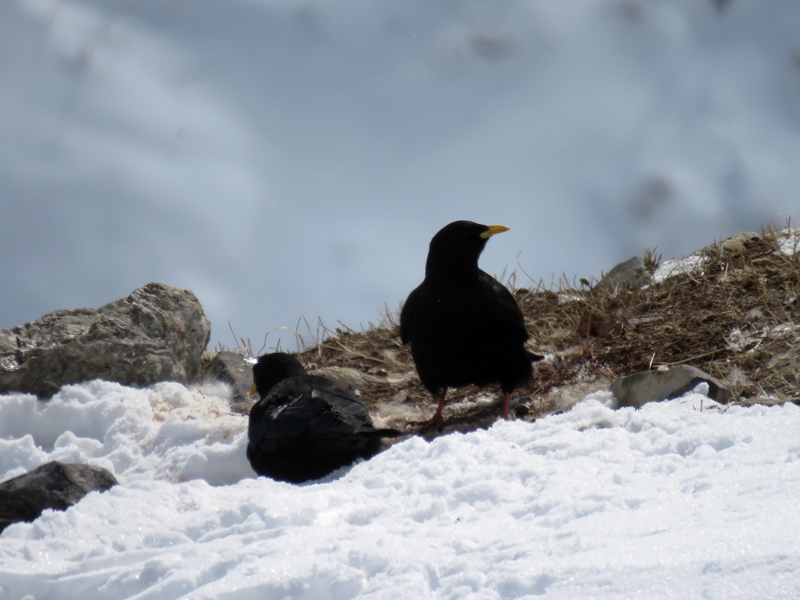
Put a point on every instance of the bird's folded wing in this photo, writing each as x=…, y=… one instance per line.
x=339, y=413
x=286, y=420
x=505, y=311
x=313, y=412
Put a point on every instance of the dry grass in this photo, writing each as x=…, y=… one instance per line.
x=733, y=317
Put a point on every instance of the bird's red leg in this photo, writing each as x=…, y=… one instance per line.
x=437, y=418
x=506, y=401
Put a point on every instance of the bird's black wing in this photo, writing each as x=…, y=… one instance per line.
x=305, y=407
x=410, y=309
x=339, y=411
x=508, y=311
x=503, y=311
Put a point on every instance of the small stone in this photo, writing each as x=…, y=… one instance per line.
x=651, y=386
x=522, y=410
x=233, y=369
x=631, y=274
x=53, y=485
x=737, y=244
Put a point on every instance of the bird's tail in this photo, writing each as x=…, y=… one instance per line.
x=382, y=433
x=534, y=357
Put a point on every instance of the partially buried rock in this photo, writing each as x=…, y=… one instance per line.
x=631, y=274
x=233, y=369
x=649, y=386
x=53, y=485
x=158, y=333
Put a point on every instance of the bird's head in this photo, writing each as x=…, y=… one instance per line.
x=271, y=369
x=456, y=247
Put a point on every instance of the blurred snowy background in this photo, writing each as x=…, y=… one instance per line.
x=285, y=158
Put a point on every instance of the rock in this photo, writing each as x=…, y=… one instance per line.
x=53, y=485
x=649, y=386
x=736, y=244
x=631, y=274
x=157, y=333
x=233, y=369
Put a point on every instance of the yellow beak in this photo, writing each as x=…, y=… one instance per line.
x=494, y=229
x=252, y=391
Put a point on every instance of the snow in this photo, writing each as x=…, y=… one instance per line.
x=166, y=431
x=672, y=267
x=788, y=241
x=749, y=341
x=670, y=501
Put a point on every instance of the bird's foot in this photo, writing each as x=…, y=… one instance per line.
x=435, y=422
x=429, y=424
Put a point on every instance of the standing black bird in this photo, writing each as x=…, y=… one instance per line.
x=305, y=426
x=463, y=325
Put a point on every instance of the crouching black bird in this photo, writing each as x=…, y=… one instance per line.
x=463, y=325
x=305, y=426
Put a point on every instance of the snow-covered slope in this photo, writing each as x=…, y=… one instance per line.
x=676, y=500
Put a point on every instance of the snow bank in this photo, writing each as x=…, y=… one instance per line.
x=663, y=502
x=164, y=432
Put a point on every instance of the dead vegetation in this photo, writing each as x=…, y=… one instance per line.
x=732, y=315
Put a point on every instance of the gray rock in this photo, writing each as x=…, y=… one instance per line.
x=53, y=485
x=649, y=386
x=630, y=274
x=157, y=333
x=736, y=244
x=233, y=369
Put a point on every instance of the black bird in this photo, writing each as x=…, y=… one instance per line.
x=463, y=325
x=305, y=426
